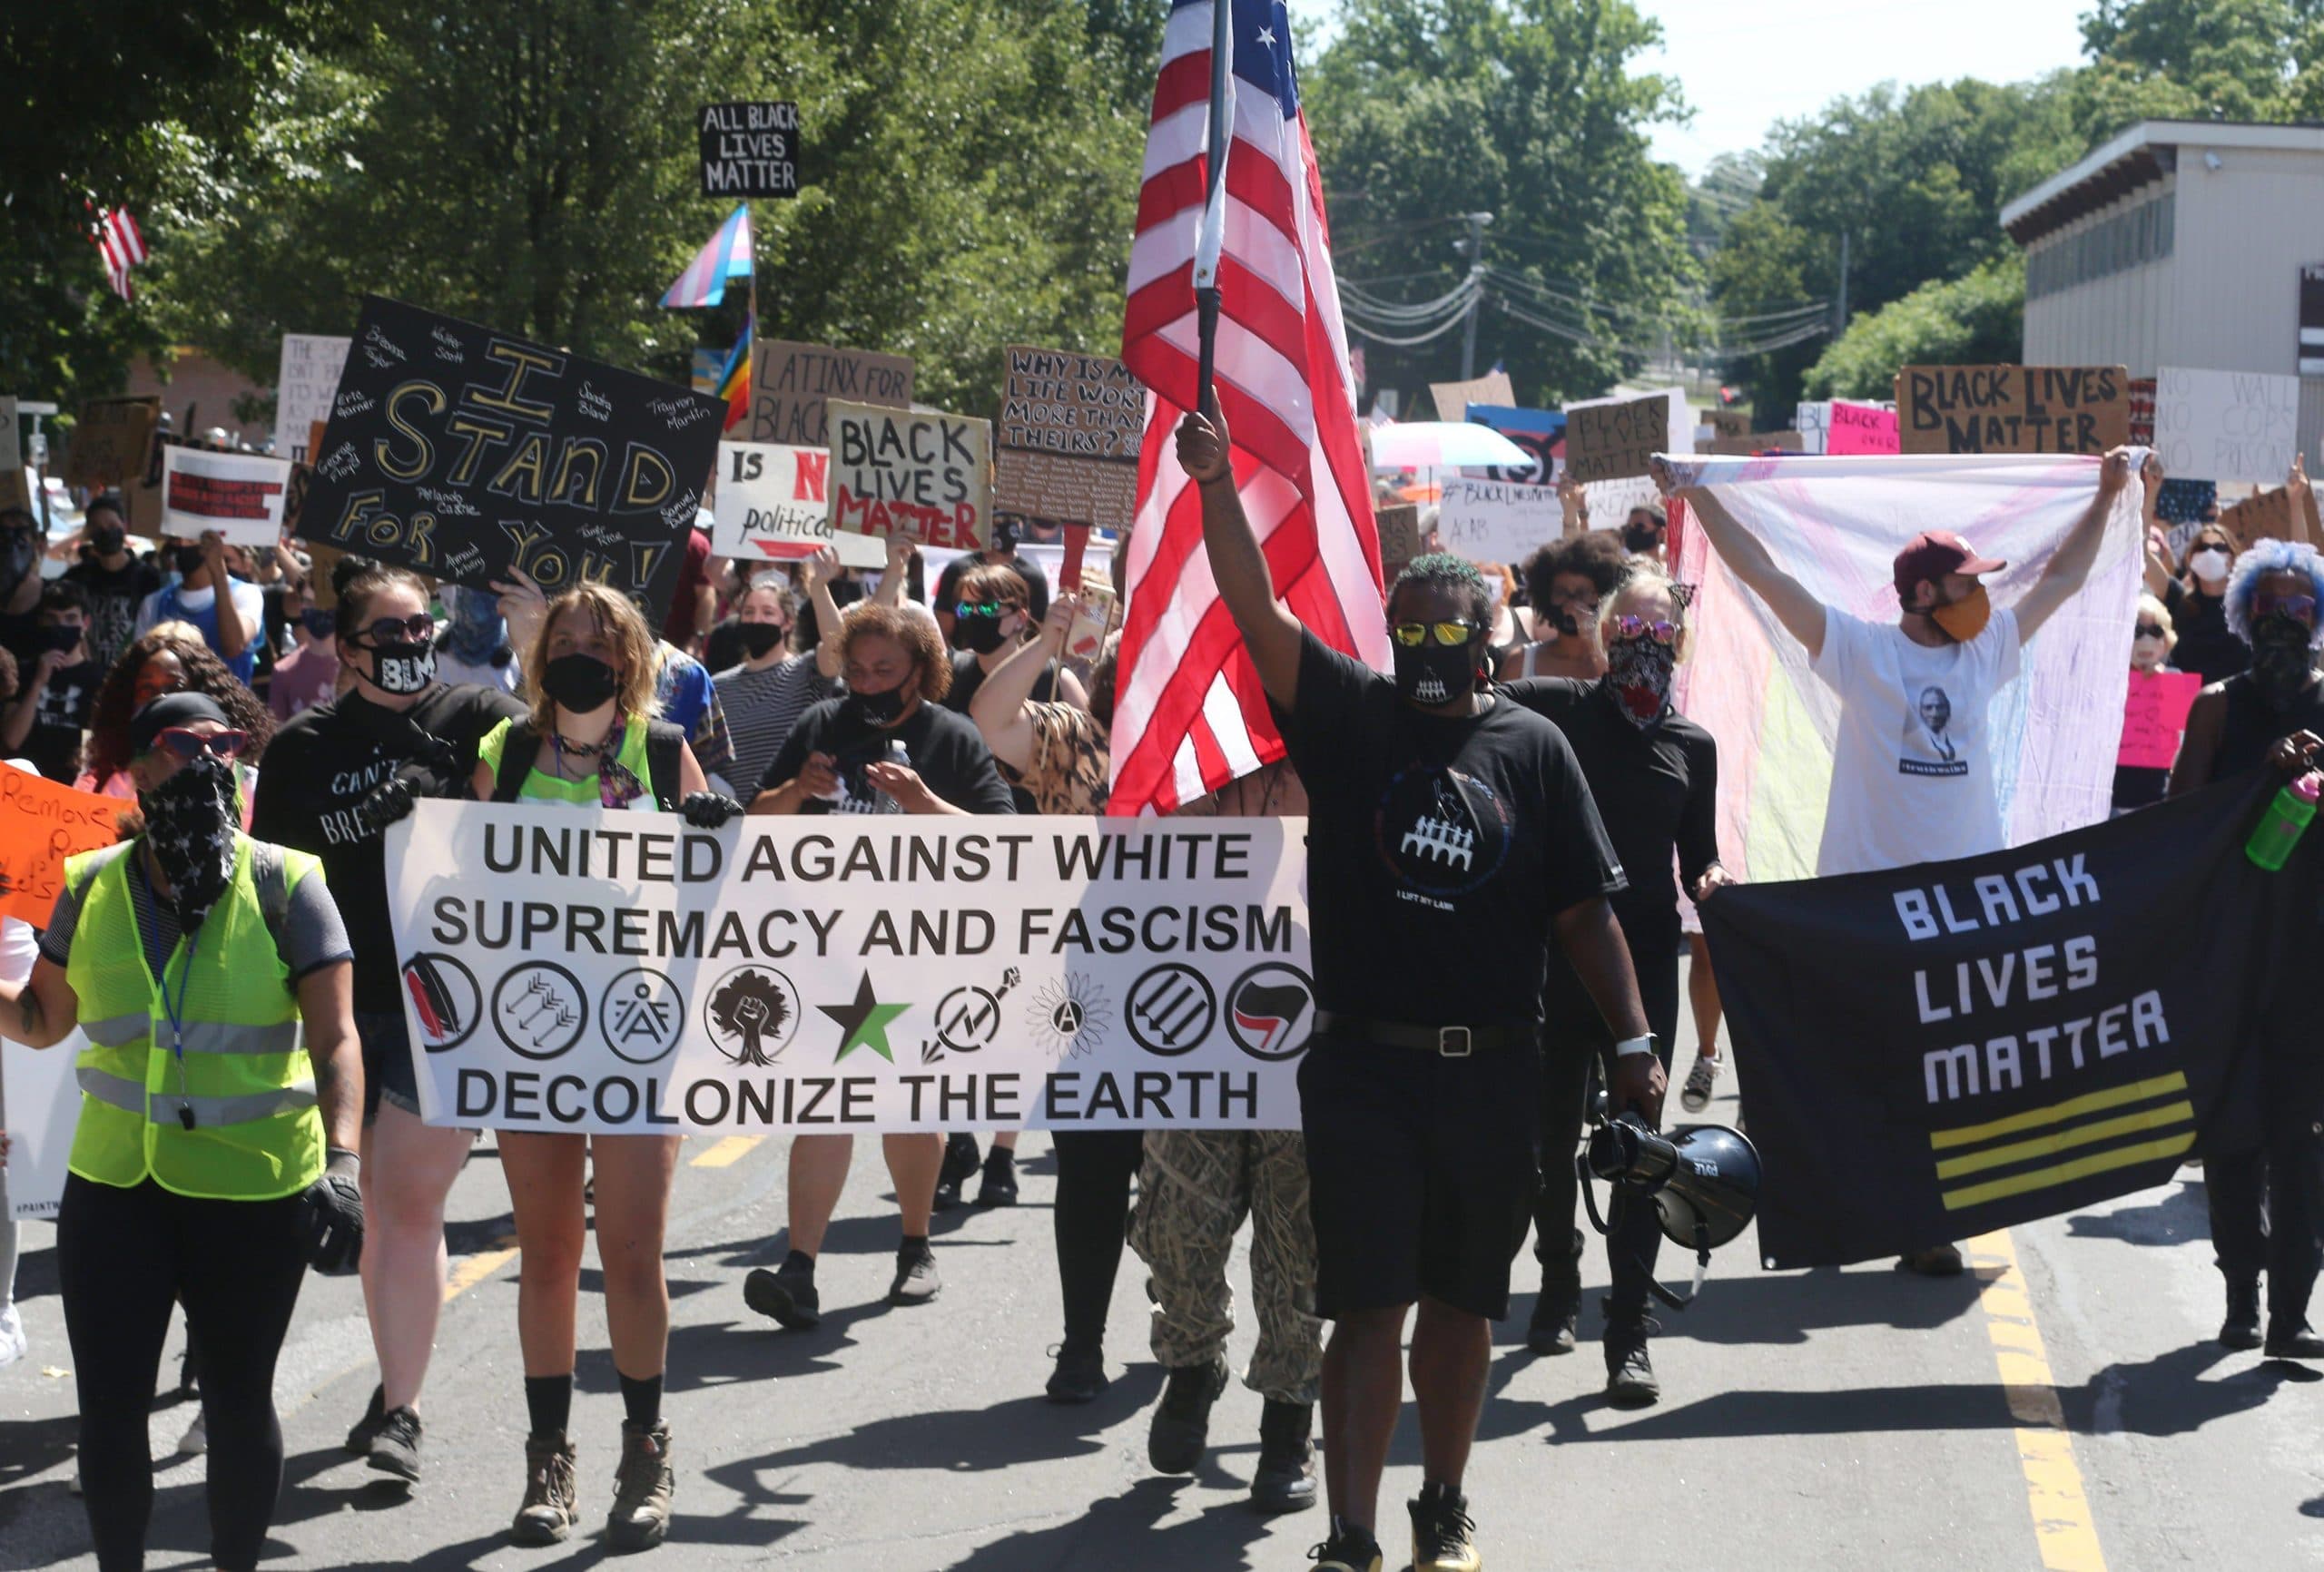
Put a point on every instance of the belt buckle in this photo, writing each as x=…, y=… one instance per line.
x=1447, y=1038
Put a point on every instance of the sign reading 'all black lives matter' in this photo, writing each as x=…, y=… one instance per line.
x=750, y=150
x=461, y=452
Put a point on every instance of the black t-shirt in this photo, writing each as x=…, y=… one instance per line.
x=113, y=601
x=324, y=761
x=722, y=649
x=2252, y=726
x=968, y=676
x=2205, y=646
x=943, y=748
x=59, y=717
x=1439, y=850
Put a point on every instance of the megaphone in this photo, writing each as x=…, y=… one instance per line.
x=1702, y=1180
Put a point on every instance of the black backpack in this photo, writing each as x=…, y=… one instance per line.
x=664, y=742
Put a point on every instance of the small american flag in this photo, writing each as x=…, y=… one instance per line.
x=1191, y=715
x=119, y=242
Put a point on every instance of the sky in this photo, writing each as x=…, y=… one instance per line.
x=1744, y=64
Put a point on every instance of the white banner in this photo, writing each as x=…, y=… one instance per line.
x=773, y=504
x=1498, y=520
x=619, y=973
x=43, y=1107
x=2226, y=424
x=304, y=385
x=239, y=494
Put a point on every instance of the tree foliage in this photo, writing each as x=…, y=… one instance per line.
x=1976, y=319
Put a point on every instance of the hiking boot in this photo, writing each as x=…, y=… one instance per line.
x=1701, y=1081
x=916, y=1280
x=395, y=1450
x=643, y=1486
x=1557, y=1313
x=2240, y=1330
x=1629, y=1373
x=998, y=1185
x=2293, y=1340
x=358, y=1438
x=1349, y=1550
x=1444, y=1537
x=787, y=1294
x=960, y=1160
x=1181, y=1428
x=1080, y=1372
x=196, y=1439
x=550, y=1502
x=1284, y=1480
x=1937, y=1261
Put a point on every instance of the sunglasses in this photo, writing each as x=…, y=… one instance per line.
x=2150, y=631
x=2299, y=608
x=417, y=629
x=1452, y=635
x=188, y=744
x=1635, y=627
x=978, y=609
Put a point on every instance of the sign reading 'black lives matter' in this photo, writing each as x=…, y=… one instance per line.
x=750, y=150
x=461, y=452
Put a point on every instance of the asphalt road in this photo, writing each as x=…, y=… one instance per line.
x=2063, y=1406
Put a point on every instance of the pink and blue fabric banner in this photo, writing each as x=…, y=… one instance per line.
x=727, y=255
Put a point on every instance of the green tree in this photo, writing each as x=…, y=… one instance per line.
x=2185, y=60
x=1976, y=319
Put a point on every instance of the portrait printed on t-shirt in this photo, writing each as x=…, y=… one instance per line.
x=1930, y=747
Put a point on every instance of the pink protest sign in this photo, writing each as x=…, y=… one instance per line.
x=2154, y=717
x=1861, y=429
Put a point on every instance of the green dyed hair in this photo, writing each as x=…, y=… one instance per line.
x=1440, y=570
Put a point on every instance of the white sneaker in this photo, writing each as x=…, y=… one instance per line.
x=12, y=1336
x=1694, y=1097
x=196, y=1439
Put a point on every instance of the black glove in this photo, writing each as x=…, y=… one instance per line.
x=330, y=1217
x=709, y=809
x=384, y=804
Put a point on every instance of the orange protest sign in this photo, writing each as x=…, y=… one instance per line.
x=41, y=825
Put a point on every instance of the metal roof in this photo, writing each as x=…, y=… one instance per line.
x=2136, y=157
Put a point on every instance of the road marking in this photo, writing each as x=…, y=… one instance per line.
x=2062, y=1525
x=474, y=1268
x=726, y=1153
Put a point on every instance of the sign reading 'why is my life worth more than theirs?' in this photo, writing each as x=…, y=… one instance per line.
x=462, y=452
x=1071, y=427
x=618, y=972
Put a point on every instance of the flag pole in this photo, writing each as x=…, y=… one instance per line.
x=1212, y=238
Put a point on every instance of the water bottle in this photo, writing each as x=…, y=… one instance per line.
x=2287, y=818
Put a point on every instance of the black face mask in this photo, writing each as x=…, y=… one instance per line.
x=1641, y=537
x=109, y=539
x=402, y=667
x=61, y=639
x=885, y=709
x=1565, y=620
x=978, y=635
x=190, y=561
x=190, y=822
x=578, y=684
x=318, y=621
x=2281, y=660
x=760, y=638
x=1432, y=674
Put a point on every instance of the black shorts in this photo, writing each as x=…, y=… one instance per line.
x=389, y=1074
x=1423, y=1173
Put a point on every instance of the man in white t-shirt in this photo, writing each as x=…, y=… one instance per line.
x=1911, y=776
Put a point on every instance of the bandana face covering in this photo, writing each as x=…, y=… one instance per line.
x=402, y=667
x=190, y=820
x=1432, y=674
x=2280, y=658
x=1639, y=671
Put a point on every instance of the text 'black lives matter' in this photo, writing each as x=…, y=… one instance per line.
x=750, y=150
x=462, y=452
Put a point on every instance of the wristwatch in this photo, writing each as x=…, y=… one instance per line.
x=1629, y=1046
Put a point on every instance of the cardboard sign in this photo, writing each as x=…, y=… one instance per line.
x=241, y=496
x=2012, y=409
x=1496, y=520
x=1615, y=438
x=750, y=150
x=1729, y=423
x=775, y=503
x=2225, y=425
x=304, y=384
x=2155, y=717
x=112, y=441
x=1453, y=398
x=461, y=452
x=923, y=475
x=1070, y=429
x=1400, y=540
x=1860, y=429
x=1759, y=442
x=2263, y=515
x=43, y=824
x=791, y=384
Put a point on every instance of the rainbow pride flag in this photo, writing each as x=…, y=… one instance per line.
x=734, y=382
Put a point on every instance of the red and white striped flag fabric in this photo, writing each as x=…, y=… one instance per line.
x=119, y=243
x=1190, y=715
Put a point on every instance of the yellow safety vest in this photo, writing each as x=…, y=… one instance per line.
x=243, y=1076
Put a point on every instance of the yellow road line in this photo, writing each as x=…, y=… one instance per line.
x=724, y=1153
x=2062, y=1525
x=471, y=1270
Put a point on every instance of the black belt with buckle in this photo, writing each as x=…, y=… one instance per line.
x=1447, y=1042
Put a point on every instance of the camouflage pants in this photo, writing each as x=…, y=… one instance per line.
x=1195, y=1187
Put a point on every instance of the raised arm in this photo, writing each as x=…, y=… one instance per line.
x=2070, y=564
x=890, y=592
x=1001, y=706
x=831, y=643
x=2304, y=523
x=1269, y=631
x=1801, y=614
x=2157, y=569
x=1573, y=506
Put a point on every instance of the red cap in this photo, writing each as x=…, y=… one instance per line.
x=1933, y=554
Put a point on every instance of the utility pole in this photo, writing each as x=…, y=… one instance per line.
x=1840, y=305
x=1477, y=223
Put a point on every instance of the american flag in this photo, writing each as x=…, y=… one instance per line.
x=1191, y=716
x=119, y=242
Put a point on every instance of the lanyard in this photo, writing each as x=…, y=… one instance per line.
x=175, y=1011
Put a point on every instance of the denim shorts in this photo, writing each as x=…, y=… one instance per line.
x=388, y=1071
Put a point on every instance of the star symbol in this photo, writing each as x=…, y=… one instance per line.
x=866, y=1022
x=1266, y=36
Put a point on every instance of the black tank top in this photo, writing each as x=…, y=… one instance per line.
x=2252, y=726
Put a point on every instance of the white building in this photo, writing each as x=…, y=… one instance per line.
x=2179, y=243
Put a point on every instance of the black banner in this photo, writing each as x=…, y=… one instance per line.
x=459, y=451
x=750, y=150
x=1941, y=1050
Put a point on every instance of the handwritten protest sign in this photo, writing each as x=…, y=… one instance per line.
x=2225, y=425
x=241, y=496
x=43, y=1107
x=920, y=474
x=775, y=503
x=1755, y=442
x=1453, y=398
x=750, y=150
x=111, y=441
x=1614, y=438
x=2263, y=515
x=2012, y=409
x=1813, y=420
x=1861, y=429
x=1400, y=542
x=1070, y=429
x=461, y=452
x=43, y=824
x=1496, y=520
x=2155, y=717
x=792, y=383
x=304, y=385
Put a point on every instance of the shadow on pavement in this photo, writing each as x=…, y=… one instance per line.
x=2181, y=1215
x=1776, y=1307
x=1122, y=1534
x=1026, y=1429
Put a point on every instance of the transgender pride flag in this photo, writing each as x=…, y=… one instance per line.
x=727, y=255
x=1836, y=525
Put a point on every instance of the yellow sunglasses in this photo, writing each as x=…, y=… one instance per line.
x=1451, y=635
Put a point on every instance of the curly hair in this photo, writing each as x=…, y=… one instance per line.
x=1597, y=555
x=914, y=632
x=2265, y=557
x=617, y=617
x=116, y=698
x=1440, y=570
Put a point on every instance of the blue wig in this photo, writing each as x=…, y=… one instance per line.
x=2264, y=557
